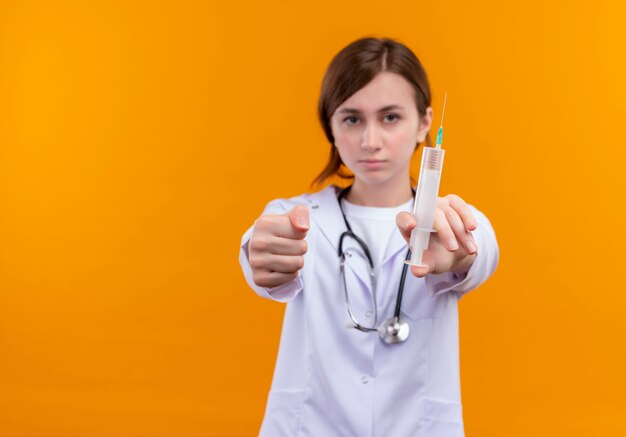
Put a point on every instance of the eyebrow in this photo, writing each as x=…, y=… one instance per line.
x=356, y=111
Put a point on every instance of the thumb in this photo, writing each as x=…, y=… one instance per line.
x=428, y=265
x=299, y=217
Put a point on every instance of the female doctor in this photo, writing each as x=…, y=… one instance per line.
x=336, y=257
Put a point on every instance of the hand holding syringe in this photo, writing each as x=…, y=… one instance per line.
x=454, y=221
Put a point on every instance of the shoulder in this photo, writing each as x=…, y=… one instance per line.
x=282, y=205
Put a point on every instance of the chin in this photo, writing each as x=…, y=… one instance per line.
x=372, y=178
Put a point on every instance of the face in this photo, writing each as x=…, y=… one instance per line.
x=377, y=129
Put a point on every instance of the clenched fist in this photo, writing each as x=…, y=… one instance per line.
x=277, y=247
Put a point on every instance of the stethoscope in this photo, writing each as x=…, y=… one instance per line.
x=393, y=330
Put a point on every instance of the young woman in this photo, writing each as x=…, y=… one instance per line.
x=337, y=258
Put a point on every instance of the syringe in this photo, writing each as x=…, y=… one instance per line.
x=426, y=196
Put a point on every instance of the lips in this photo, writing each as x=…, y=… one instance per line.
x=372, y=164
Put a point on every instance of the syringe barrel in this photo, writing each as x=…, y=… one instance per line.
x=426, y=201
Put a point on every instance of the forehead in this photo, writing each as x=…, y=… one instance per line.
x=385, y=89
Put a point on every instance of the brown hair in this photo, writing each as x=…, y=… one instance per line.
x=353, y=68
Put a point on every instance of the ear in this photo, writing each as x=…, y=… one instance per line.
x=423, y=124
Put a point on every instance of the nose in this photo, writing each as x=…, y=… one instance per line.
x=371, y=140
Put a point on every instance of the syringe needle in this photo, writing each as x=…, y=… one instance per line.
x=440, y=132
x=443, y=113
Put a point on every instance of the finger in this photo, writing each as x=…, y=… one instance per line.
x=279, y=226
x=269, y=279
x=299, y=217
x=461, y=234
x=405, y=223
x=464, y=211
x=444, y=231
x=278, y=263
x=428, y=267
x=278, y=245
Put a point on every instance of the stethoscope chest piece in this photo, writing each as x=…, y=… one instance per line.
x=394, y=330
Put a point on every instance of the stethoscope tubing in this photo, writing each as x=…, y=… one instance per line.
x=365, y=248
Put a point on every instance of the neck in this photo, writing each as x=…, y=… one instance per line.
x=386, y=195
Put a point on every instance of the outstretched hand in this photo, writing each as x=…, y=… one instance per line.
x=277, y=246
x=451, y=247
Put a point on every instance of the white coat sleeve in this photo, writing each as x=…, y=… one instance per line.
x=282, y=293
x=481, y=269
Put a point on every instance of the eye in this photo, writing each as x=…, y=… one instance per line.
x=351, y=120
x=391, y=118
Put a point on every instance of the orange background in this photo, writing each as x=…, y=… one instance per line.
x=138, y=141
